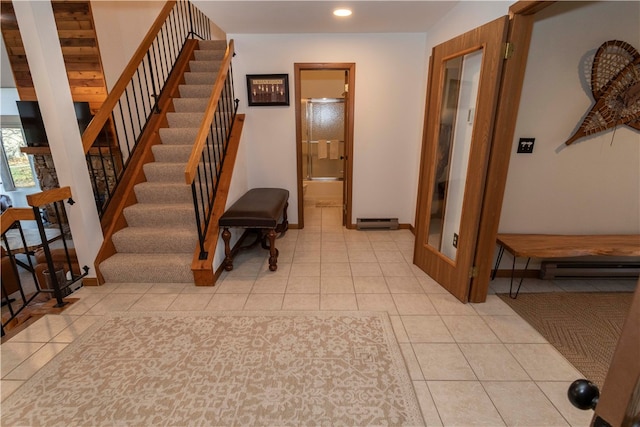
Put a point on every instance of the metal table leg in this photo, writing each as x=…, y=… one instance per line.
x=513, y=270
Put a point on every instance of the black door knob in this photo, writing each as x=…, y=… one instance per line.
x=583, y=394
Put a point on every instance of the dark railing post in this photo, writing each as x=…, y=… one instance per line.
x=47, y=252
x=154, y=95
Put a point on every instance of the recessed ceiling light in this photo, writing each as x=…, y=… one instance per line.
x=342, y=12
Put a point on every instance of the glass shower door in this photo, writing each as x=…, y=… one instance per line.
x=323, y=139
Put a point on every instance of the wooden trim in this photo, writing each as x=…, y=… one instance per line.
x=190, y=171
x=11, y=215
x=90, y=281
x=520, y=29
x=528, y=7
x=348, y=164
x=49, y=196
x=113, y=218
x=100, y=119
x=203, y=274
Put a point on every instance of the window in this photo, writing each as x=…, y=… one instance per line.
x=17, y=167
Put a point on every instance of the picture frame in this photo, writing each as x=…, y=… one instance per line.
x=265, y=90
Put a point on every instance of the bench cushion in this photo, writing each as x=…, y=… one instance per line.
x=257, y=208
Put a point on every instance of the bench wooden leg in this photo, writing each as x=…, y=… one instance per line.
x=228, y=259
x=273, y=252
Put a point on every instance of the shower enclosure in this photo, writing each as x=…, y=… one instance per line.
x=323, y=139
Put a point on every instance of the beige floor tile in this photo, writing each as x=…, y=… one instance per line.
x=464, y=403
x=73, y=331
x=493, y=362
x=556, y=392
x=403, y=285
x=376, y=302
x=370, y=285
x=202, y=290
x=236, y=285
x=37, y=360
x=492, y=306
x=443, y=362
x=87, y=301
x=335, y=269
x=427, y=406
x=270, y=285
x=509, y=396
x=414, y=304
x=396, y=269
x=336, y=285
x=413, y=367
x=154, y=302
x=380, y=235
x=223, y=302
x=390, y=256
x=351, y=235
x=333, y=240
x=44, y=329
x=334, y=256
x=312, y=255
x=305, y=269
x=303, y=285
x=385, y=245
x=362, y=255
x=167, y=288
x=426, y=329
x=190, y=302
x=14, y=353
x=365, y=269
x=338, y=302
x=398, y=329
x=359, y=245
x=282, y=272
x=513, y=329
x=543, y=362
x=469, y=329
x=429, y=285
x=248, y=269
x=264, y=302
x=112, y=302
x=448, y=305
x=301, y=302
x=7, y=387
x=131, y=288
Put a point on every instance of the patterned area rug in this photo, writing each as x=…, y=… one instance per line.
x=583, y=326
x=230, y=368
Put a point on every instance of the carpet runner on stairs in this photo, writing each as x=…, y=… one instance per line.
x=158, y=244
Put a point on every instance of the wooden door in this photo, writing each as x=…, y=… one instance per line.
x=464, y=81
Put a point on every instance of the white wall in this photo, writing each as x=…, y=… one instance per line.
x=390, y=89
x=593, y=185
x=120, y=27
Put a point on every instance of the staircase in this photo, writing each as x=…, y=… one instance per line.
x=160, y=238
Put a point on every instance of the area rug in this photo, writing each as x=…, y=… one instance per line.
x=223, y=369
x=583, y=326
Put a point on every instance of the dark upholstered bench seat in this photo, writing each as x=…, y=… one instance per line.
x=260, y=210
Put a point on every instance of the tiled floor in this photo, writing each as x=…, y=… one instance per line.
x=474, y=364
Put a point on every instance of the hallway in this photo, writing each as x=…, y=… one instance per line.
x=474, y=364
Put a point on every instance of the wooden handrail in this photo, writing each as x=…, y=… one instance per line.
x=11, y=215
x=97, y=123
x=198, y=146
x=48, y=197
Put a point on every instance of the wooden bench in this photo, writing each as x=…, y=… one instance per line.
x=561, y=246
x=259, y=211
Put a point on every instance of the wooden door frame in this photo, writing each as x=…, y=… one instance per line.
x=521, y=17
x=348, y=143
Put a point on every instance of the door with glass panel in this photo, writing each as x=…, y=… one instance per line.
x=463, y=90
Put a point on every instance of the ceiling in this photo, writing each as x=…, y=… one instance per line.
x=286, y=17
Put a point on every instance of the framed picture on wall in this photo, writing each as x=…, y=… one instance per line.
x=267, y=89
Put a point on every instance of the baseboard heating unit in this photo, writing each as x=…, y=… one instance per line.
x=568, y=270
x=377, y=224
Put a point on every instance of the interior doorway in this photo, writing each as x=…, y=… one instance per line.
x=324, y=130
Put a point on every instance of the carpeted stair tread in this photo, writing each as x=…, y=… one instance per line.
x=154, y=192
x=147, y=268
x=200, y=78
x=204, y=66
x=185, y=120
x=160, y=215
x=172, y=153
x=195, y=91
x=189, y=105
x=212, y=44
x=178, y=136
x=155, y=240
x=210, y=55
x=164, y=171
